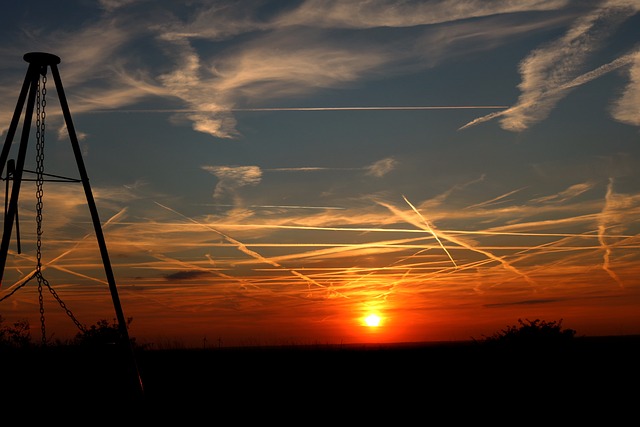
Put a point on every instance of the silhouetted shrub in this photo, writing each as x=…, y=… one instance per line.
x=102, y=332
x=16, y=336
x=536, y=333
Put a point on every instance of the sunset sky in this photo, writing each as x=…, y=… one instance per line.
x=273, y=172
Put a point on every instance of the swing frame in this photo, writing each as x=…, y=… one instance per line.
x=39, y=63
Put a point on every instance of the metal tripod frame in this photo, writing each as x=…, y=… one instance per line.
x=38, y=64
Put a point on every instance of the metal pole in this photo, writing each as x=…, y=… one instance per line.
x=14, y=121
x=90, y=201
x=94, y=216
x=31, y=82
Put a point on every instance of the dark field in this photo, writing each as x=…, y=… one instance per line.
x=590, y=377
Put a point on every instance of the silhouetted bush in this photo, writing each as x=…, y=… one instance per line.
x=102, y=332
x=16, y=336
x=534, y=333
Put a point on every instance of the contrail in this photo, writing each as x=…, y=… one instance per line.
x=310, y=169
x=487, y=232
x=383, y=108
x=243, y=248
x=426, y=223
x=251, y=110
x=578, y=81
x=113, y=219
x=463, y=244
x=192, y=266
x=602, y=227
x=492, y=201
x=276, y=206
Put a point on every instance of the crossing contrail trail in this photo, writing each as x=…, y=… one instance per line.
x=430, y=230
x=551, y=92
x=243, y=248
x=434, y=107
x=250, y=110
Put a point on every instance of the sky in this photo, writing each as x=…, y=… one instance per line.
x=273, y=172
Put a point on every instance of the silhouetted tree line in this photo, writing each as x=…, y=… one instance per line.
x=529, y=333
x=18, y=335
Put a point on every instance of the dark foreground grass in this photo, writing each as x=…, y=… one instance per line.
x=590, y=377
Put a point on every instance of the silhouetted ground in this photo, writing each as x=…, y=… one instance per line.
x=590, y=378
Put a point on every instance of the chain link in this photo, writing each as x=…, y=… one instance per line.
x=62, y=304
x=40, y=131
x=40, y=128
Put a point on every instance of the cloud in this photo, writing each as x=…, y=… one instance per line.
x=111, y=5
x=606, y=223
x=627, y=108
x=377, y=169
x=285, y=65
x=185, y=275
x=549, y=72
x=91, y=74
x=389, y=13
x=340, y=244
x=382, y=167
x=187, y=83
x=230, y=178
x=568, y=194
x=556, y=65
x=273, y=66
x=546, y=100
x=217, y=21
x=287, y=52
x=525, y=302
x=295, y=55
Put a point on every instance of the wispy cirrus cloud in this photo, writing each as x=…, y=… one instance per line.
x=233, y=177
x=278, y=52
x=111, y=5
x=567, y=194
x=389, y=13
x=627, y=108
x=83, y=71
x=382, y=167
x=551, y=71
x=295, y=56
x=230, y=178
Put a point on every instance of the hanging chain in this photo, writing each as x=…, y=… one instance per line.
x=41, y=103
x=40, y=128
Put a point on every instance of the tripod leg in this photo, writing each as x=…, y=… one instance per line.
x=14, y=121
x=11, y=169
x=33, y=77
x=95, y=217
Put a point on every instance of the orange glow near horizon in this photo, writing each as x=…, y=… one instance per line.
x=295, y=278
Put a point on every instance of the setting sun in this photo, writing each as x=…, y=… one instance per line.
x=372, y=320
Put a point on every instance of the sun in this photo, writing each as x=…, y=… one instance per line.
x=372, y=320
